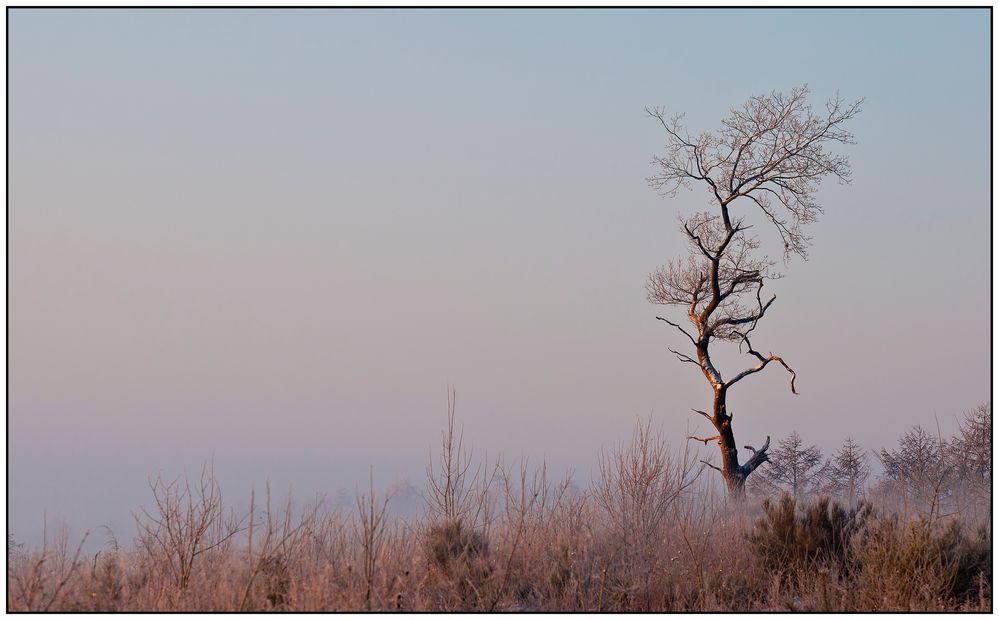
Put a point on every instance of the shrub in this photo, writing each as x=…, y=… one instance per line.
x=451, y=544
x=275, y=580
x=921, y=565
x=462, y=557
x=106, y=582
x=784, y=540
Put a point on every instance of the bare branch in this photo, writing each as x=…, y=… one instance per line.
x=766, y=445
x=759, y=457
x=703, y=439
x=685, y=358
x=787, y=368
x=682, y=330
x=763, y=364
x=753, y=318
x=714, y=467
x=704, y=414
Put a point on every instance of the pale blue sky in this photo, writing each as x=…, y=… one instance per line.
x=273, y=237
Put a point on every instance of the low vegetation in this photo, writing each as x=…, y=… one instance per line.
x=651, y=532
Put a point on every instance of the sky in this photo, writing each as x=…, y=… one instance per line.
x=270, y=239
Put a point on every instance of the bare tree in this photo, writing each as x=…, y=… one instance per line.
x=792, y=467
x=972, y=448
x=920, y=470
x=920, y=455
x=848, y=470
x=768, y=158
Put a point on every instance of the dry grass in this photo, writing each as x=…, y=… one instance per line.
x=649, y=534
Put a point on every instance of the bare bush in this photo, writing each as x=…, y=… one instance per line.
x=36, y=580
x=638, y=490
x=270, y=553
x=458, y=488
x=639, y=483
x=370, y=531
x=186, y=524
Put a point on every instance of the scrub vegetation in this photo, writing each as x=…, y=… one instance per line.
x=648, y=533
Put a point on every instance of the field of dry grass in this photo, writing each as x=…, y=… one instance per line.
x=650, y=533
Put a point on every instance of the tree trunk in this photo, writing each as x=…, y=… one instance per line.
x=732, y=472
